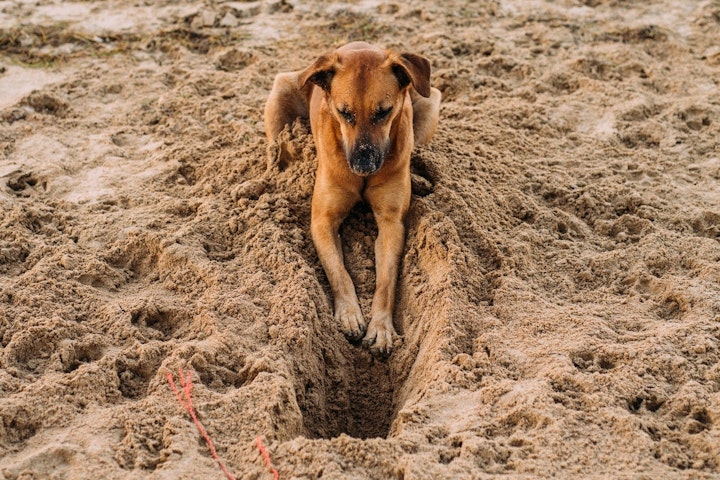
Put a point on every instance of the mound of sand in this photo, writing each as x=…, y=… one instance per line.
x=559, y=297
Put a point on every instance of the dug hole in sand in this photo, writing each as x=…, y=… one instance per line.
x=559, y=294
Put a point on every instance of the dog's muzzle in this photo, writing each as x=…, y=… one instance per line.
x=366, y=158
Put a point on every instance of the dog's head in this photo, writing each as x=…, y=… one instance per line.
x=365, y=90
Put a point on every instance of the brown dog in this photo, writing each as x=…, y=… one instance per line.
x=367, y=108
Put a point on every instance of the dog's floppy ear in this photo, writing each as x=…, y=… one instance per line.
x=320, y=72
x=415, y=69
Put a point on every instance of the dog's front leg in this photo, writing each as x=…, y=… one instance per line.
x=390, y=207
x=388, y=248
x=328, y=212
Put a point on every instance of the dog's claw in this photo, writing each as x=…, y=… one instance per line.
x=354, y=335
x=379, y=337
x=350, y=318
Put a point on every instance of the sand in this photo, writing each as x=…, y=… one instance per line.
x=559, y=295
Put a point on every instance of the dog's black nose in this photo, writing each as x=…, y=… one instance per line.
x=366, y=159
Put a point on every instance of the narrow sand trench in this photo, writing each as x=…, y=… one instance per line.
x=444, y=281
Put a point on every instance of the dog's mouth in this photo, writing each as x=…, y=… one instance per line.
x=366, y=158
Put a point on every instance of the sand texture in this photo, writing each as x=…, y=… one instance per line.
x=559, y=294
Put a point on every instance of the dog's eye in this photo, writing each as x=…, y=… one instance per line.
x=346, y=115
x=381, y=114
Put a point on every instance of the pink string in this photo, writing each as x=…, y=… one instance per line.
x=185, y=399
x=266, y=456
x=186, y=402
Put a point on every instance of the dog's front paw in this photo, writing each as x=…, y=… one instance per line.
x=380, y=335
x=350, y=318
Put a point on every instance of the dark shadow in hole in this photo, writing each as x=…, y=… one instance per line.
x=355, y=398
x=422, y=176
x=22, y=182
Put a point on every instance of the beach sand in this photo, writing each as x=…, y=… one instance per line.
x=559, y=294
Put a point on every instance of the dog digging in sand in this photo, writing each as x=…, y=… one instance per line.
x=368, y=107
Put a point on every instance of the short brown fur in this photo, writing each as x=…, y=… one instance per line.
x=368, y=107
